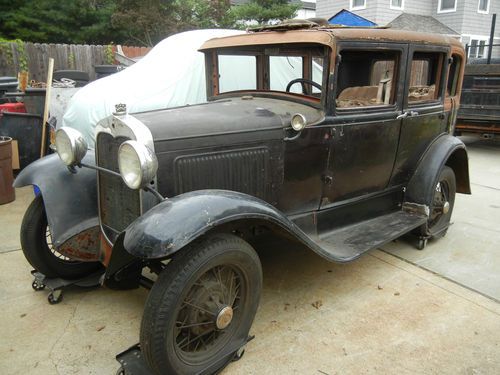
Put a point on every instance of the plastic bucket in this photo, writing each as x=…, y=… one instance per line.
x=7, y=192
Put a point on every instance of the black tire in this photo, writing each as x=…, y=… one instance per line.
x=444, y=191
x=38, y=249
x=192, y=276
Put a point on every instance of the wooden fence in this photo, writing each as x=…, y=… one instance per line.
x=34, y=57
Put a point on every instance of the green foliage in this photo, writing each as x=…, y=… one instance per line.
x=7, y=48
x=136, y=22
x=265, y=11
x=55, y=21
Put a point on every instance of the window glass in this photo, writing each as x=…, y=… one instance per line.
x=425, y=73
x=477, y=48
x=358, y=4
x=397, y=3
x=282, y=70
x=230, y=73
x=447, y=5
x=366, y=78
x=483, y=5
x=451, y=89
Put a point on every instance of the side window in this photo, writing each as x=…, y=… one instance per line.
x=230, y=76
x=366, y=79
x=426, y=68
x=453, y=74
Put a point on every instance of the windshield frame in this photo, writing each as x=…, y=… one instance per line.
x=263, y=54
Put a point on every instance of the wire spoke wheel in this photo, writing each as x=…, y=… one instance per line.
x=200, y=310
x=208, y=311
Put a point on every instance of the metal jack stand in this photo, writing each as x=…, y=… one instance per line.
x=56, y=284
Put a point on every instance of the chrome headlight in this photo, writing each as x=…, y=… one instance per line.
x=138, y=164
x=70, y=145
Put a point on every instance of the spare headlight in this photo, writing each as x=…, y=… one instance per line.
x=70, y=146
x=138, y=164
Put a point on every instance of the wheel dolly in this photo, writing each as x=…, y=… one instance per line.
x=56, y=285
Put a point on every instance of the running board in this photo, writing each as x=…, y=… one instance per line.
x=350, y=242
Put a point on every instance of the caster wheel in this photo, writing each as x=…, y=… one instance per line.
x=55, y=297
x=121, y=371
x=239, y=354
x=422, y=243
x=37, y=286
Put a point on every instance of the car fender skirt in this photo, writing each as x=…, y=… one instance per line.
x=176, y=222
x=70, y=199
x=445, y=150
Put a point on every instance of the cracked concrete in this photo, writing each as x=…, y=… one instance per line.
x=378, y=315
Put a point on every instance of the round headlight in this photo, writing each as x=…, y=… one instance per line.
x=298, y=122
x=70, y=145
x=138, y=164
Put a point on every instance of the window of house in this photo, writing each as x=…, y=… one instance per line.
x=358, y=4
x=478, y=48
x=366, y=79
x=447, y=6
x=453, y=75
x=397, y=4
x=426, y=68
x=484, y=6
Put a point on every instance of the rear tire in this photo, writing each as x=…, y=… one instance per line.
x=39, y=251
x=440, y=206
x=204, y=301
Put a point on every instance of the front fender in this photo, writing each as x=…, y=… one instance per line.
x=70, y=199
x=445, y=150
x=175, y=222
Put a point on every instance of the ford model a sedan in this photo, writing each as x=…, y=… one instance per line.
x=347, y=146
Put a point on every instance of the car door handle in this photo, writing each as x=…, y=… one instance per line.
x=407, y=114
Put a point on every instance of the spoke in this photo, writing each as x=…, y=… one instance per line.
x=193, y=324
x=196, y=338
x=236, y=294
x=199, y=308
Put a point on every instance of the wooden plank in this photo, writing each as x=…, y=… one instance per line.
x=47, y=105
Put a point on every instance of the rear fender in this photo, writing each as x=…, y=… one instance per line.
x=174, y=223
x=70, y=199
x=445, y=150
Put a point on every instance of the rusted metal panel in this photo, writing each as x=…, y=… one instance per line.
x=84, y=246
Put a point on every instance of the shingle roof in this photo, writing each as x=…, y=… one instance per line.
x=416, y=22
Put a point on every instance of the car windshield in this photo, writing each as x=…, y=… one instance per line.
x=273, y=69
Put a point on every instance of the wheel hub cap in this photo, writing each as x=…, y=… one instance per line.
x=446, y=207
x=224, y=317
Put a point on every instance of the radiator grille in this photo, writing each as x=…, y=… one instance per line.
x=245, y=171
x=118, y=204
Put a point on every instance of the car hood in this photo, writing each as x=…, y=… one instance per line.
x=225, y=116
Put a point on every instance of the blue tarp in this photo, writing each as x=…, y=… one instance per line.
x=346, y=18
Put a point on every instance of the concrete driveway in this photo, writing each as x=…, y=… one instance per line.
x=394, y=311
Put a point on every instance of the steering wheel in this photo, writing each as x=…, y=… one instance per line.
x=302, y=81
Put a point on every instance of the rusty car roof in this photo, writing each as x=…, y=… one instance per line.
x=327, y=36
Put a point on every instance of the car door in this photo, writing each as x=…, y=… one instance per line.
x=365, y=126
x=423, y=114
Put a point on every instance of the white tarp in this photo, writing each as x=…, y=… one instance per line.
x=171, y=74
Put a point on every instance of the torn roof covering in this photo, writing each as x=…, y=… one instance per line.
x=346, y=18
x=416, y=22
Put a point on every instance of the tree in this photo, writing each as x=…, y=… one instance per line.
x=55, y=21
x=265, y=11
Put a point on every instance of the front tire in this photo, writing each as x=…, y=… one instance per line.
x=204, y=301
x=41, y=254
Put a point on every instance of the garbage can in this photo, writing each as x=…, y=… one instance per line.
x=7, y=192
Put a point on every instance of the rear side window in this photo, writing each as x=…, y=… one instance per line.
x=426, y=68
x=366, y=79
x=456, y=63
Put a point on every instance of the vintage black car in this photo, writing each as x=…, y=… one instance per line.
x=340, y=161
